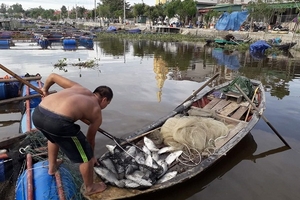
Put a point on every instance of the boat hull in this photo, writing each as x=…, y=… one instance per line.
x=236, y=134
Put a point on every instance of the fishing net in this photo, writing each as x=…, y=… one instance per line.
x=193, y=132
x=15, y=176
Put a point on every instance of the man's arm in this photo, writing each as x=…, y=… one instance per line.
x=59, y=80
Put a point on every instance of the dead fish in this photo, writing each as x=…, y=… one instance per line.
x=166, y=149
x=108, y=163
x=131, y=151
x=111, y=148
x=150, y=144
x=139, y=158
x=131, y=168
x=149, y=161
x=108, y=176
x=146, y=150
x=140, y=181
x=130, y=183
x=167, y=177
x=155, y=155
x=173, y=156
x=164, y=166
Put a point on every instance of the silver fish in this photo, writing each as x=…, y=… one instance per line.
x=146, y=150
x=111, y=148
x=108, y=176
x=139, y=158
x=164, y=166
x=140, y=181
x=166, y=149
x=173, y=156
x=108, y=163
x=155, y=155
x=150, y=144
x=131, y=168
x=130, y=183
x=167, y=177
x=149, y=161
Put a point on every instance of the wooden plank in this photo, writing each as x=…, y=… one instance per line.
x=212, y=103
x=230, y=120
x=221, y=104
x=220, y=142
x=240, y=112
x=229, y=108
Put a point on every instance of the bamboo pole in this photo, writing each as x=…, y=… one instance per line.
x=7, y=80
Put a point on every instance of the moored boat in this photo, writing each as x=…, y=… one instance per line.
x=219, y=114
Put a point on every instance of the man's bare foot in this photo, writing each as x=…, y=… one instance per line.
x=95, y=188
x=55, y=167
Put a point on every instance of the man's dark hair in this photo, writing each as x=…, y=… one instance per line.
x=104, y=91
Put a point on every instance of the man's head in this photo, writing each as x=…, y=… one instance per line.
x=105, y=95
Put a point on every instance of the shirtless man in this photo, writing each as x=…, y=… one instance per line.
x=55, y=117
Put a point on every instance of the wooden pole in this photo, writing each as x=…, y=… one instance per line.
x=201, y=88
x=264, y=118
x=7, y=80
x=10, y=100
x=29, y=177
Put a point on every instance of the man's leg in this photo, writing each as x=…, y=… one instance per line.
x=52, y=157
x=87, y=172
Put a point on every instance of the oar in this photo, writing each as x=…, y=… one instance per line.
x=264, y=118
x=115, y=139
x=201, y=88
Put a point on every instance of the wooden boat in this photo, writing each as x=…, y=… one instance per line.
x=229, y=109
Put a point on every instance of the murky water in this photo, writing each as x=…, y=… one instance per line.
x=149, y=79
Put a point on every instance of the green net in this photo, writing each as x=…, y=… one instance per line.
x=244, y=83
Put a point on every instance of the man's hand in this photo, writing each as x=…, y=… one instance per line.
x=45, y=92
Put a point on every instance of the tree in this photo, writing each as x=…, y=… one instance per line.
x=64, y=12
x=3, y=8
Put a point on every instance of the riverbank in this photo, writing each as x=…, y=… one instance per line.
x=213, y=33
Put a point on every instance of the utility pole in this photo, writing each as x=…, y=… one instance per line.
x=95, y=10
x=124, y=12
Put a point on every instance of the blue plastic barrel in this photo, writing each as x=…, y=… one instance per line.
x=6, y=169
x=4, y=44
x=69, y=44
x=3, y=91
x=87, y=42
x=34, y=101
x=44, y=185
x=44, y=43
x=12, y=89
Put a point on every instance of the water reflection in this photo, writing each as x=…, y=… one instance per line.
x=186, y=61
x=227, y=58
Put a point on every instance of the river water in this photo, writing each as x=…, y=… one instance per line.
x=149, y=79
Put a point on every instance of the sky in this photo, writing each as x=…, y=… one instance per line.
x=57, y=4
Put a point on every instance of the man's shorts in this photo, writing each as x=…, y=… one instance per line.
x=65, y=133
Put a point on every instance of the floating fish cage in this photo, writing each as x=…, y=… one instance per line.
x=44, y=43
x=69, y=44
x=44, y=185
x=4, y=44
x=9, y=90
x=86, y=42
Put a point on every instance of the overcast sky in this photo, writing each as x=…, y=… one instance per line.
x=57, y=4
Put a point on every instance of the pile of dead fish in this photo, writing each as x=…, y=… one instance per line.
x=135, y=167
